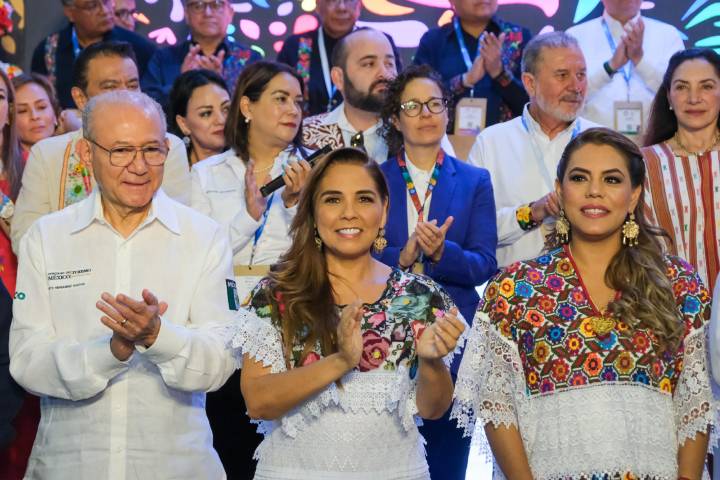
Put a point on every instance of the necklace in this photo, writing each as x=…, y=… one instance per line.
x=699, y=152
x=261, y=170
x=604, y=322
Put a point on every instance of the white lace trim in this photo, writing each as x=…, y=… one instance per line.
x=257, y=338
x=595, y=429
x=696, y=409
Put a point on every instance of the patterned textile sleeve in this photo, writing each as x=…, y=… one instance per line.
x=255, y=334
x=696, y=410
x=441, y=301
x=490, y=387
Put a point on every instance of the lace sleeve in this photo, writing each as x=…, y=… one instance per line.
x=490, y=384
x=695, y=407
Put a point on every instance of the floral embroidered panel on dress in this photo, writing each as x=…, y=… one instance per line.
x=389, y=327
x=543, y=307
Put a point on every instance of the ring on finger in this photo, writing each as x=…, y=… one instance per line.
x=124, y=321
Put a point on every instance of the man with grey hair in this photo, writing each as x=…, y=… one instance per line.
x=54, y=175
x=120, y=338
x=522, y=154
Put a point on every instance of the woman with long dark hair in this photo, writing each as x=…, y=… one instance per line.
x=590, y=362
x=682, y=154
x=199, y=107
x=340, y=352
x=441, y=221
x=263, y=135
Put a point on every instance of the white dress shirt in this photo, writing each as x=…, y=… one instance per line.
x=522, y=161
x=103, y=418
x=660, y=42
x=218, y=191
x=374, y=143
x=41, y=179
x=421, y=180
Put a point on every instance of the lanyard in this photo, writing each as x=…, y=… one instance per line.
x=325, y=67
x=420, y=207
x=538, y=151
x=75, y=44
x=627, y=72
x=261, y=228
x=463, y=48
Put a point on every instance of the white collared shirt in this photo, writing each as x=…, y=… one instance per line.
x=522, y=163
x=39, y=194
x=660, y=42
x=421, y=181
x=102, y=417
x=218, y=191
x=374, y=143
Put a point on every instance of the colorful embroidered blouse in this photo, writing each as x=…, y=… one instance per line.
x=587, y=405
x=337, y=431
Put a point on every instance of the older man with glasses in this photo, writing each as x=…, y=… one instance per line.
x=207, y=47
x=119, y=338
x=91, y=21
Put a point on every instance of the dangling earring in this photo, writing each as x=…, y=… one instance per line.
x=318, y=241
x=380, y=242
x=630, y=231
x=562, y=228
x=187, y=141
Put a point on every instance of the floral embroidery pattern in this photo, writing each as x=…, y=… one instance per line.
x=77, y=180
x=316, y=133
x=51, y=44
x=542, y=306
x=389, y=327
x=236, y=57
x=305, y=47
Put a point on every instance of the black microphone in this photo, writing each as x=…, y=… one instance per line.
x=278, y=182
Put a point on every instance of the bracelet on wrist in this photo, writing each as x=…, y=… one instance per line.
x=523, y=215
x=505, y=78
x=608, y=69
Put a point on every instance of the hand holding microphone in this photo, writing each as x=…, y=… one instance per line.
x=278, y=182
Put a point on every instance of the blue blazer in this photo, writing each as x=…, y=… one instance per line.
x=466, y=193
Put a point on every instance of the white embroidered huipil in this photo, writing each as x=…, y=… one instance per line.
x=587, y=405
x=365, y=429
x=522, y=161
x=660, y=42
x=108, y=419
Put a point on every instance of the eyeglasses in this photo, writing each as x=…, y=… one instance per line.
x=199, y=7
x=154, y=155
x=349, y=3
x=412, y=108
x=95, y=6
x=125, y=13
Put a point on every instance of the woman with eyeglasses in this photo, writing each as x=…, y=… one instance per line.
x=441, y=221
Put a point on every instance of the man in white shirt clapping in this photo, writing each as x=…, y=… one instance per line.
x=627, y=55
x=522, y=154
x=120, y=306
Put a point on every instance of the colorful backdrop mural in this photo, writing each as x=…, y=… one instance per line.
x=263, y=24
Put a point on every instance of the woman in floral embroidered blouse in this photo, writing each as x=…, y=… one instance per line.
x=337, y=389
x=589, y=362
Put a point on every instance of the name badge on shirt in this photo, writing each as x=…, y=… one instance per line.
x=247, y=277
x=67, y=279
x=470, y=115
x=628, y=117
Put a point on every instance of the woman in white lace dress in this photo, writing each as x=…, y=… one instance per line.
x=589, y=362
x=341, y=353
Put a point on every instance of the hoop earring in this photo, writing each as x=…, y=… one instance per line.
x=380, y=241
x=562, y=229
x=630, y=231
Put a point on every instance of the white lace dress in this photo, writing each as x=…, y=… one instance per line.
x=588, y=405
x=366, y=427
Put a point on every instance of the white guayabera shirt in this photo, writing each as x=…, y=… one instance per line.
x=105, y=418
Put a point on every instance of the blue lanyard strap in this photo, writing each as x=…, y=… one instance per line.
x=261, y=228
x=626, y=71
x=538, y=152
x=75, y=43
x=463, y=48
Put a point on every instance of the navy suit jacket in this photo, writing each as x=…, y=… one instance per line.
x=464, y=192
